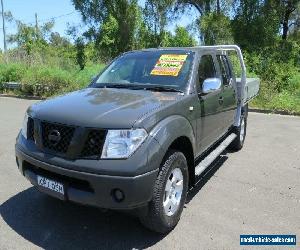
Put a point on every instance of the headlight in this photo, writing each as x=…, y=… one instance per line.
x=122, y=143
x=24, y=126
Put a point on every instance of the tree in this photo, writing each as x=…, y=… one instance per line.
x=294, y=26
x=213, y=13
x=155, y=14
x=287, y=7
x=203, y=6
x=181, y=38
x=216, y=29
x=256, y=23
x=108, y=38
x=28, y=36
x=58, y=41
x=123, y=14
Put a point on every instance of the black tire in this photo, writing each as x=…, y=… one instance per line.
x=156, y=218
x=241, y=131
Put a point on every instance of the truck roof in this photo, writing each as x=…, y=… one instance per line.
x=193, y=49
x=196, y=48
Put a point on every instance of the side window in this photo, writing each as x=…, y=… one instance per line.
x=206, y=68
x=225, y=69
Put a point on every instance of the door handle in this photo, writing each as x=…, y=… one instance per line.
x=221, y=100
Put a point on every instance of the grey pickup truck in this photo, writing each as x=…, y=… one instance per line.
x=139, y=135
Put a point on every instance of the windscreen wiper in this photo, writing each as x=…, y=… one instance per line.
x=141, y=86
x=163, y=89
x=120, y=85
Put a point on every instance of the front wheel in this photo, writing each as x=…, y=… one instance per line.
x=169, y=194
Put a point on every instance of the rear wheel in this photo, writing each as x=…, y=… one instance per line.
x=169, y=194
x=240, y=131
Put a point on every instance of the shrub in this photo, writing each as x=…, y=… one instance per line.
x=11, y=72
x=47, y=81
x=277, y=75
x=44, y=81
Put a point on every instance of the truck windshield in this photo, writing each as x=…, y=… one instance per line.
x=159, y=70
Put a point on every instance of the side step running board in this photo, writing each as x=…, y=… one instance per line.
x=214, y=154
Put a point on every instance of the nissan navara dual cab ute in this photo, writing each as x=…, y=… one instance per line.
x=140, y=133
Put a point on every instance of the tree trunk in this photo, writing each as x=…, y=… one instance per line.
x=289, y=9
x=218, y=7
x=207, y=6
x=285, y=29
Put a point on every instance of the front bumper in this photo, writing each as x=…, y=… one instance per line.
x=89, y=188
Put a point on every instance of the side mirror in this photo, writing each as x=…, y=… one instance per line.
x=211, y=85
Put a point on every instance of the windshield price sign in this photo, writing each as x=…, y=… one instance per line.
x=168, y=65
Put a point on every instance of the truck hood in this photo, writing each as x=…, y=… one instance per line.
x=101, y=107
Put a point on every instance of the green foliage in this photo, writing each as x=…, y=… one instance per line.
x=11, y=72
x=181, y=38
x=155, y=16
x=57, y=40
x=216, y=29
x=28, y=36
x=108, y=38
x=81, y=78
x=42, y=81
x=286, y=101
x=256, y=24
x=113, y=25
x=276, y=65
x=47, y=81
x=289, y=10
x=278, y=69
x=126, y=13
x=80, y=55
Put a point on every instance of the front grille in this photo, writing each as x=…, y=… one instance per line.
x=30, y=129
x=57, y=137
x=93, y=144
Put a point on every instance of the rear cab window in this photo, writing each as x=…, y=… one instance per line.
x=225, y=69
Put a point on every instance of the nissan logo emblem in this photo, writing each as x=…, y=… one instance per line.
x=54, y=137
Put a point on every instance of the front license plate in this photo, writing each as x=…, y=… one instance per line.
x=50, y=184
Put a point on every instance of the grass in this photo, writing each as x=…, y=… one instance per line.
x=284, y=101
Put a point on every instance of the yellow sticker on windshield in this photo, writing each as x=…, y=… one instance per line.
x=168, y=65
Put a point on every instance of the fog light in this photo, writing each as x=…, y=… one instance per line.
x=118, y=195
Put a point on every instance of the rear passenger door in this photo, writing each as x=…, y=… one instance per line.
x=228, y=94
x=209, y=120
